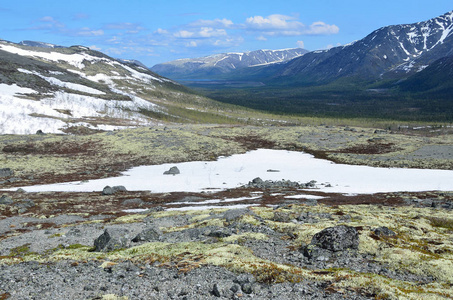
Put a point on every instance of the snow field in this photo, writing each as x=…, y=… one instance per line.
x=237, y=170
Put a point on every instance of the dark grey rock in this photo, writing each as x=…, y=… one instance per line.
x=40, y=132
x=108, y=191
x=6, y=200
x=269, y=184
x=337, y=238
x=119, y=188
x=216, y=291
x=280, y=216
x=317, y=253
x=384, y=231
x=220, y=232
x=6, y=172
x=112, y=239
x=234, y=214
x=133, y=202
x=25, y=204
x=152, y=234
x=172, y=171
x=247, y=288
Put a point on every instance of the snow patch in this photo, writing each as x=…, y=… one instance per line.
x=237, y=170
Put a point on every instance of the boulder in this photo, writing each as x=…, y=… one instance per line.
x=108, y=191
x=112, y=190
x=112, y=239
x=6, y=172
x=172, y=171
x=152, y=234
x=384, y=231
x=119, y=188
x=337, y=238
x=234, y=214
x=6, y=200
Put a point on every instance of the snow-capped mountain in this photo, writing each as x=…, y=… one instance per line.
x=396, y=51
x=223, y=63
x=54, y=89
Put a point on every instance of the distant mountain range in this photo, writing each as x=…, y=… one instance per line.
x=214, y=66
x=405, y=69
x=62, y=89
x=392, y=53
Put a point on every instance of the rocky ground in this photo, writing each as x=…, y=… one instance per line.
x=292, y=242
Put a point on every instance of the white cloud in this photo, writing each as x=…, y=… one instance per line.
x=273, y=22
x=184, y=34
x=322, y=28
x=94, y=47
x=191, y=44
x=300, y=44
x=278, y=25
x=261, y=38
x=207, y=32
x=89, y=32
x=161, y=31
x=216, y=23
x=204, y=32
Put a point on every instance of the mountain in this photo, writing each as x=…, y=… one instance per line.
x=62, y=89
x=216, y=65
x=436, y=78
x=392, y=52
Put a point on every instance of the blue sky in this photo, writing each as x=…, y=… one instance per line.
x=155, y=31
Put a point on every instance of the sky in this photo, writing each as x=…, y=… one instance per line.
x=157, y=31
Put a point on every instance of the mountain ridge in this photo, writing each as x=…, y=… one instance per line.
x=223, y=63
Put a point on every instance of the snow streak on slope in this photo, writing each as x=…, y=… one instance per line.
x=19, y=115
x=90, y=90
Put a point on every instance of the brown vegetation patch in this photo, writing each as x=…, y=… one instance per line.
x=370, y=148
x=53, y=148
x=254, y=142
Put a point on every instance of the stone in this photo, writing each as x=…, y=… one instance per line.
x=337, y=238
x=216, y=290
x=108, y=191
x=40, y=132
x=172, y=171
x=316, y=253
x=119, y=188
x=384, y=231
x=133, y=202
x=234, y=214
x=148, y=235
x=6, y=172
x=220, y=233
x=6, y=200
x=112, y=239
x=280, y=216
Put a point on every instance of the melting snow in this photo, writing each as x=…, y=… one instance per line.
x=237, y=170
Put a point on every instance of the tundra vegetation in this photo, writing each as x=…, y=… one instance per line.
x=417, y=260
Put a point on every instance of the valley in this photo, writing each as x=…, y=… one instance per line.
x=269, y=174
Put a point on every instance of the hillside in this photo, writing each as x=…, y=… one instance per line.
x=65, y=89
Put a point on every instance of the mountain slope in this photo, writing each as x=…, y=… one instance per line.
x=57, y=89
x=436, y=78
x=390, y=52
x=219, y=64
